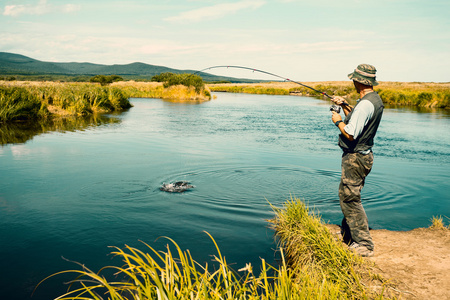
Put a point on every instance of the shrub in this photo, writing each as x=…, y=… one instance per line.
x=188, y=80
x=106, y=79
x=162, y=77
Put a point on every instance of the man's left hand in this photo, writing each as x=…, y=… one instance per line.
x=336, y=117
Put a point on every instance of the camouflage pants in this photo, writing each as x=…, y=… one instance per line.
x=355, y=168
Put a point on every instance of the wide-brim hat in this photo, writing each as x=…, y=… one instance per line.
x=364, y=74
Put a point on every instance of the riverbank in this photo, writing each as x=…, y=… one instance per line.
x=411, y=264
x=24, y=100
x=393, y=93
x=416, y=262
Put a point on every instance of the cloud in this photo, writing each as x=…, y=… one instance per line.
x=39, y=9
x=215, y=11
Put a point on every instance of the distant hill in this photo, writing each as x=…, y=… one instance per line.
x=12, y=64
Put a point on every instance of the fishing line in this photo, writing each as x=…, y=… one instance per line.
x=271, y=74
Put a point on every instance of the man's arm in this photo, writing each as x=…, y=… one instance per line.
x=337, y=117
x=361, y=115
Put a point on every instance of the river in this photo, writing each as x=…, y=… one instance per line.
x=72, y=191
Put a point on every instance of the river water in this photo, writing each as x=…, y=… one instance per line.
x=75, y=189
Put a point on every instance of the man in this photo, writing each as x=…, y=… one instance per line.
x=357, y=132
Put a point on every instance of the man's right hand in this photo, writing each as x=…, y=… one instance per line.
x=339, y=100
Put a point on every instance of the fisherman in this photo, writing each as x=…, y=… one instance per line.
x=357, y=132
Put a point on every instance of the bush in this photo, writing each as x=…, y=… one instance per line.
x=106, y=79
x=163, y=77
x=188, y=80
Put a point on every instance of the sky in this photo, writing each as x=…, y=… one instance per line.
x=318, y=40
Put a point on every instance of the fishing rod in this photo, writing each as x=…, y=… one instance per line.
x=271, y=74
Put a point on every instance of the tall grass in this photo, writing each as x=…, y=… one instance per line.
x=310, y=248
x=397, y=93
x=28, y=100
x=178, y=92
x=313, y=265
x=19, y=104
x=437, y=222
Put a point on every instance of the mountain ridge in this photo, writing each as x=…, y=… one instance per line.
x=17, y=64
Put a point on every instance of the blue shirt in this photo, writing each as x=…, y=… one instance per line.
x=360, y=116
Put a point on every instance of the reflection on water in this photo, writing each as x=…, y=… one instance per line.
x=20, y=132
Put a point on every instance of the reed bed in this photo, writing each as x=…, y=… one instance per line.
x=396, y=93
x=313, y=265
x=28, y=100
x=156, y=90
x=19, y=103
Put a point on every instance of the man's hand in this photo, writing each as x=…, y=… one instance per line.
x=336, y=117
x=339, y=100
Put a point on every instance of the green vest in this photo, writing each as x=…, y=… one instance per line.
x=364, y=141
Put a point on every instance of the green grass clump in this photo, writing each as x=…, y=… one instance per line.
x=312, y=251
x=176, y=275
x=25, y=100
x=19, y=104
x=437, y=98
x=437, y=222
x=82, y=99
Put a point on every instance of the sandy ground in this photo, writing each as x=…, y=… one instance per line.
x=417, y=262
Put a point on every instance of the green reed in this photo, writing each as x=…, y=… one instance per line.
x=313, y=265
x=19, y=104
x=20, y=101
x=310, y=248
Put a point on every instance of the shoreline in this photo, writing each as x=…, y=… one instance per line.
x=430, y=95
x=416, y=262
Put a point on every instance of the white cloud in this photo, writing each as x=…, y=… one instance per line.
x=39, y=9
x=215, y=11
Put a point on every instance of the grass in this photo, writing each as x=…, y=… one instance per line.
x=311, y=250
x=313, y=265
x=393, y=93
x=437, y=222
x=156, y=90
x=30, y=100
x=19, y=104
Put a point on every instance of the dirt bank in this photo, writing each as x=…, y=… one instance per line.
x=417, y=262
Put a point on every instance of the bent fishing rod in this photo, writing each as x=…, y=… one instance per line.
x=271, y=74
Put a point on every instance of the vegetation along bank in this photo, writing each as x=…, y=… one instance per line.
x=394, y=93
x=23, y=100
x=314, y=264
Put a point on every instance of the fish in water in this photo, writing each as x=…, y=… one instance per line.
x=176, y=187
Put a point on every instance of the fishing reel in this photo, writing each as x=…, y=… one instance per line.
x=335, y=108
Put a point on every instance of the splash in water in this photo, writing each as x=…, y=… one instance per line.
x=176, y=187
